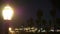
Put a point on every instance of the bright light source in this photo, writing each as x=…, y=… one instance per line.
x=7, y=13
x=33, y=28
x=16, y=29
x=10, y=28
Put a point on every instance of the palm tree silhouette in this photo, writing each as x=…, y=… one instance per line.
x=53, y=12
x=39, y=15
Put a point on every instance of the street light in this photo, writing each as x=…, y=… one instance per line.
x=7, y=14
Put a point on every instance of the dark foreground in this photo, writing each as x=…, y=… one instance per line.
x=43, y=33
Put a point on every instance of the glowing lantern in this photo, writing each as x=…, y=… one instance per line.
x=7, y=12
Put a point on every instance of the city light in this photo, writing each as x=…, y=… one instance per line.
x=16, y=29
x=10, y=29
x=7, y=12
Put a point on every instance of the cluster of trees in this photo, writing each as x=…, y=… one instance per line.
x=44, y=22
x=52, y=23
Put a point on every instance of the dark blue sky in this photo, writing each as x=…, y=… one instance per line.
x=45, y=5
x=30, y=8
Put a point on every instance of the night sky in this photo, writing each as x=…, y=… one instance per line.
x=30, y=8
x=26, y=9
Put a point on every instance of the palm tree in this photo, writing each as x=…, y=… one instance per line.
x=53, y=12
x=39, y=15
